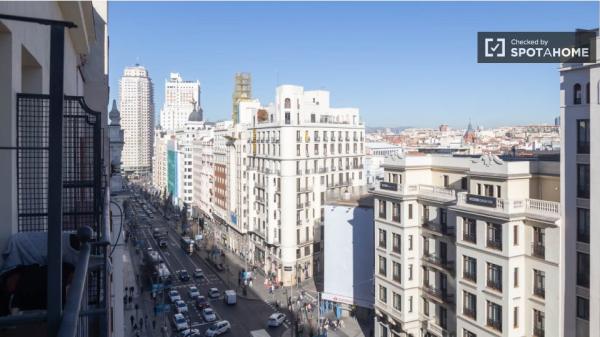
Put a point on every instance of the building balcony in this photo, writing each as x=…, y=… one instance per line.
x=541, y=210
x=538, y=332
x=260, y=199
x=440, y=229
x=438, y=294
x=494, y=324
x=305, y=189
x=539, y=292
x=496, y=285
x=430, y=192
x=538, y=250
x=469, y=312
x=322, y=170
x=260, y=184
x=494, y=244
x=439, y=262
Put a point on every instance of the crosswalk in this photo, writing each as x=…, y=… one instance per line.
x=287, y=323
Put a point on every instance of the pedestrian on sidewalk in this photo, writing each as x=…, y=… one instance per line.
x=145, y=320
x=153, y=324
x=132, y=319
x=141, y=323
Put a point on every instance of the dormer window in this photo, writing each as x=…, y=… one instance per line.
x=287, y=103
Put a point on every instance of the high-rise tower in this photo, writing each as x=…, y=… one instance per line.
x=242, y=91
x=136, y=104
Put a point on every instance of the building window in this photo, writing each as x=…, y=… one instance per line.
x=446, y=180
x=470, y=230
x=583, y=308
x=515, y=235
x=425, y=307
x=382, y=294
x=410, y=211
x=470, y=268
x=489, y=190
x=539, y=280
x=583, y=270
x=463, y=183
x=287, y=118
x=382, y=238
x=494, y=236
x=396, y=243
x=395, y=212
x=538, y=323
x=396, y=271
x=410, y=242
x=469, y=305
x=516, y=277
x=494, y=316
x=583, y=136
x=494, y=276
x=382, y=266
x=382, y=210
x=410, y=272
x=467, y=333
x=587, y=93
x=397, y=302
x=583, y=225
x=443, y=216
x=583, y=181
x=287, y=103
x=577, y=93
x=410, y=304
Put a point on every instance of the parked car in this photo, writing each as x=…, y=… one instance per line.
x=198, y=273
x=193, y=292
x=218, y=328
x=209, y=315
x=174, y=296
x=201, y=302
x=213, y=293
x=180, y=322
x=181, y=307
x=276, y=319
x=184, y=276
x=190, y=333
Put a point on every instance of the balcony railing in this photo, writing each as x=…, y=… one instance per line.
x=437, y=261
x=469, y=237
x=538, y=332
x=494, y=244
x=438, y=293
x=538, y=250
x=494, y=324
x=539, y=292
x=470, y=312
x=496, y=285
x=438, y=228
x=547, y=210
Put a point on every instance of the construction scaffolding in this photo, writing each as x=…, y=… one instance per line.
x=242, y=90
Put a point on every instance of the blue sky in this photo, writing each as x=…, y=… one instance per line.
x=401, y=64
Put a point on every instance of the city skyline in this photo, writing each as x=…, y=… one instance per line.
x=360, y=65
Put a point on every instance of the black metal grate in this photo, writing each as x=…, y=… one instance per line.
x=81, y=164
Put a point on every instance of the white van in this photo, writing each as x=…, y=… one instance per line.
x=229, y=297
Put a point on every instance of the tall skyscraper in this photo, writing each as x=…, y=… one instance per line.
x=580, y=196
x=136, y=104
x=181, y=98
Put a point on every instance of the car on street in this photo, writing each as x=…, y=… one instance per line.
x=174, y=296
x=198, y=273
x=190, y=333
x=214, y=293
x=162, y=244
x=209, y=315
x=201, y=302
x=276, y=319
x=184, y=276
x=193, y=292
x=181, y=307
x=180, y=323
x=217, y=329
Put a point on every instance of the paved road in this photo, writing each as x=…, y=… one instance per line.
x=245, y=316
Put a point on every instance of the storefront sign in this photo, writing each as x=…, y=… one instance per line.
x=384, y=185
x=481, y=200
x=287, y=268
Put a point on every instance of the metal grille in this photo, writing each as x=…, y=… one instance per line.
x=81, y=164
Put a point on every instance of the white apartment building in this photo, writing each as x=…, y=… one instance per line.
x=461, y=247
x=159, y=161
x=181, y=98
x=203, y=174
x=298, y=149
x=580, y=194
x=136, y=104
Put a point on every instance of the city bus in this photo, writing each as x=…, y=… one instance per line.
x=187, y=245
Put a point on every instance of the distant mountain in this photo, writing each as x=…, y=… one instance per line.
x=393, y=129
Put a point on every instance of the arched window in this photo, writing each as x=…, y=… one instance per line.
x=577, y=93
x=287, y=104
x=587, y=93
